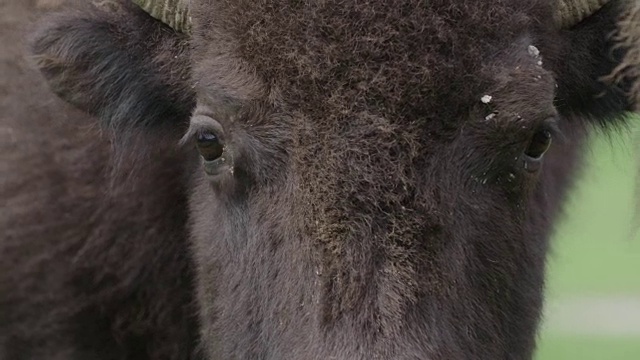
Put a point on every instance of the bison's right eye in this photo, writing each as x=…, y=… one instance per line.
x=212, y=143
x=209, y=146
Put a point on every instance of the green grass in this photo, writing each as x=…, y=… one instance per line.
x=589, y=348
x=596, y=251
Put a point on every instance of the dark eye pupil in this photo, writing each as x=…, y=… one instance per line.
x=539, y=144
x=209, y=146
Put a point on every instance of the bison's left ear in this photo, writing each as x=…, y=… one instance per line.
x=112, y=59
x=597, y=59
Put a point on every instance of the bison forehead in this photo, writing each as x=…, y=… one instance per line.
x=396, y=59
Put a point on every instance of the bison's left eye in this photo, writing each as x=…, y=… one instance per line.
x=539, y=144
x=537, y=147
x=209, y=146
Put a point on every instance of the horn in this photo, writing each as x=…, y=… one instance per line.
x=571, y=12
x=174, y=13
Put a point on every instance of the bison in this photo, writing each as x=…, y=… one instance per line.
x=365, y=179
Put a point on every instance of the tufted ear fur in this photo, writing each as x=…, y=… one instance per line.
x=112, y=60
x=628, y=37
x=596, y=63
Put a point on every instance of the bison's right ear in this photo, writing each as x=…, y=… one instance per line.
x=113, y=60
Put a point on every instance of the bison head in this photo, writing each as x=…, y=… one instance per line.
x=369, y=179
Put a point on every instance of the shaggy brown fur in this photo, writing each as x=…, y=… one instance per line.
x=628, y=36
x=375, y=207
x=376, y=109
x=93, y=265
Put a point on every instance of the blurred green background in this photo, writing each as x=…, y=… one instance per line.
x=592, y=309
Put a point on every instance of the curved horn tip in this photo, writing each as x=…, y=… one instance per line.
x=174, y=13
x=571, y=12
